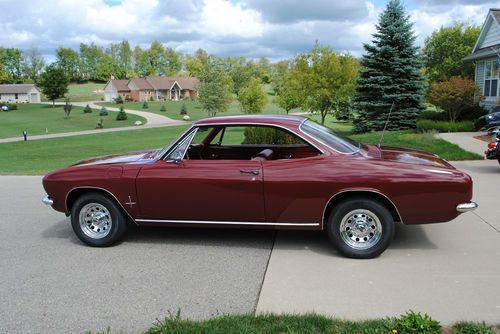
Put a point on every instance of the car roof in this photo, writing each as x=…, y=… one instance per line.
x=281, y=120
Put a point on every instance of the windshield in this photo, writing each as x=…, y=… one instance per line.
x=329, y=137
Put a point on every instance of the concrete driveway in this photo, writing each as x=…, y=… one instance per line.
x=52, y=283
x=450, y=271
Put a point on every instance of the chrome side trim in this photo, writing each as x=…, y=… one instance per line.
x=465, y=207
x=360, y=190
x=98, y=188
x=47, y=200
x=222, y=222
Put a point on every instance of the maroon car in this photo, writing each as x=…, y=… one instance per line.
x=276, y=172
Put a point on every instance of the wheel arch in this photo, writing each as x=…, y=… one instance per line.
x=367, y=193
x=76, y=192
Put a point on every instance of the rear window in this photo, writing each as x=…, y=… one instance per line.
x=329, y=137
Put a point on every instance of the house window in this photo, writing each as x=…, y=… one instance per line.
x=16, y=96
x=491, y=78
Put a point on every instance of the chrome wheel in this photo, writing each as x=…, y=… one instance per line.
x=95, y=220
x=360, y=229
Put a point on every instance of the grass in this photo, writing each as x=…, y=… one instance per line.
x=41, y=156
x=308, y=324
x=82, y=92
x=39, y=119
x=418, y=141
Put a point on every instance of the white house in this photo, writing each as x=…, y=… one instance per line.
x=486, y=56
x=25, y=93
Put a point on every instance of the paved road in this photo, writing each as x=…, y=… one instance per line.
x=52, y=283
x=450, y=271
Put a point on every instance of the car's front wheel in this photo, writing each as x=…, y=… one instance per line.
x=360, y=228
x=97, y=220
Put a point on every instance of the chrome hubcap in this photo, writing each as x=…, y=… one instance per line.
x=95, y=220
x=360, y=229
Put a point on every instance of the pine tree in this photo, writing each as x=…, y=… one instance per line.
x=390, y=74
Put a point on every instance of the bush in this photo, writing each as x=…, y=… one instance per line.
x=425, y=125
x=184, y=110
x=119, y=100
x=412, y=322
x=270, y=136
x=434, y=115
x=145, y=105
x=163, y=108
x=122, y=115
x=87, y=109
x=472, y=328
x=99, y=124
x=10, y=106
x=103, y=112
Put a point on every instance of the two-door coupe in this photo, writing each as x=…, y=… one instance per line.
x=279, y=172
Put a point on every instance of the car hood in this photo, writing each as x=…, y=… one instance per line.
x=407, y=156
x=131, y=157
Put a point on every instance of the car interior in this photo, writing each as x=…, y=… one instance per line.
x=247, y=143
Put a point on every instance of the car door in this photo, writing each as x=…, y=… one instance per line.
x=201, y=191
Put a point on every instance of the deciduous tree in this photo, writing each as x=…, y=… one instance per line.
x=214, y=92
x=33, y=64
x=252, y=97
x=445, y=49
x=454, y=95
x=53, y=83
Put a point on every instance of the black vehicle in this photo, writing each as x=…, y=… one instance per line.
x=489, y=120
x=493, y=151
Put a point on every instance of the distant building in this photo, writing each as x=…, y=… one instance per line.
x=152, y=88
x=25, y=93
x=486, y=56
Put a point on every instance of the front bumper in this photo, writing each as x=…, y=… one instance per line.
x=47, y=200
x=464, y=207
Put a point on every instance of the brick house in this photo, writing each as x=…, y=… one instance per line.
x=152, y=88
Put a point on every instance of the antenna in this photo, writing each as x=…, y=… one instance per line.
x=385, y=126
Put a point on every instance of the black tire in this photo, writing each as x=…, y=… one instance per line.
x=360, y=228
x=103, y=222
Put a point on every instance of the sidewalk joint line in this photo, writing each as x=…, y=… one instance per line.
x=493, y=227
x=265, y=272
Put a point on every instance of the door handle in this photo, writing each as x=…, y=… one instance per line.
x=249, y=171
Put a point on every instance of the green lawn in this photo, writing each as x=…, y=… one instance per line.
x=39, y=119
x=83, y=92
x=42, y=156
x=418, y=141
x=410, y=322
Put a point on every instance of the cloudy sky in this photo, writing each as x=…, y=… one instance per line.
x=253, y=28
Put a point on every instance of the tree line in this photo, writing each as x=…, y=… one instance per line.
x=393, y=76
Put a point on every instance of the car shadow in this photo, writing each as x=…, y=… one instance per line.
x=406, y=237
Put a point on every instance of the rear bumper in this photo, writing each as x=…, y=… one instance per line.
x=47, y=200
x=464, y=207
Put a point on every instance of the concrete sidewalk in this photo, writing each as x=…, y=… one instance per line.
x=466, y=141
x=450, y=271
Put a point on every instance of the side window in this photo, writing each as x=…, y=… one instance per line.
x=256, y=135
x=181, y=148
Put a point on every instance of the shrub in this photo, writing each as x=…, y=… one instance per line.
x=412, y=322
x=434, y=115
x=99, y=124
x=184, y=110
x=455, y=96
x=145, y=105
x=103, y=112
x=119, y=100
x=87, y=109
x=344, y=111
x=122, y=115
x=163, y=108
x=10, y=106
x=267, y=135
x=424, y=125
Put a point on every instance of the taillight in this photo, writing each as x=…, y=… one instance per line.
x=492, y=145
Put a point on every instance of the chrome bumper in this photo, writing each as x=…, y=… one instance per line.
x=47, y=200
x=464, y=207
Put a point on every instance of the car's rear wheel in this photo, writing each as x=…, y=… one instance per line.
x=360, y=228
x=97, y=220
